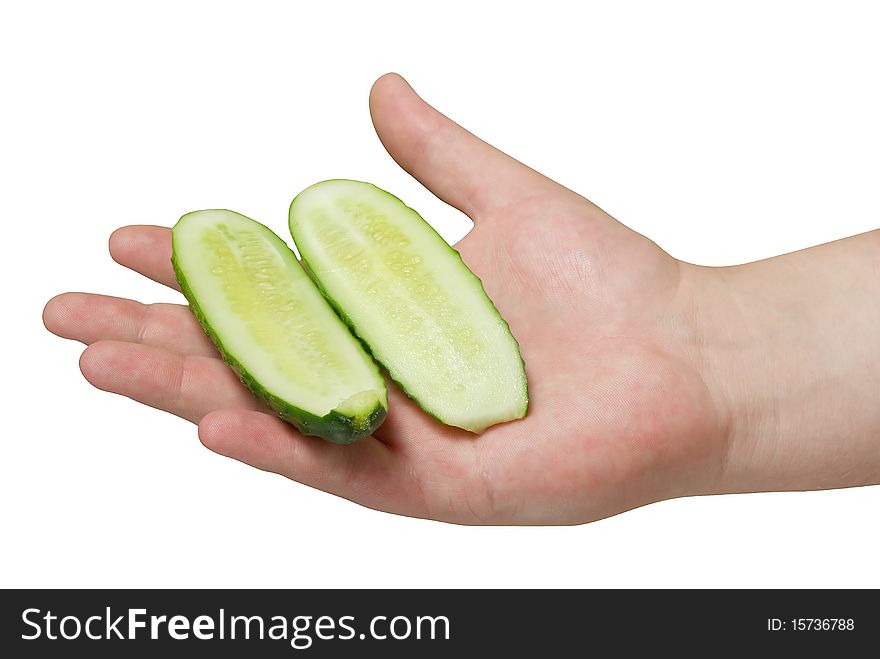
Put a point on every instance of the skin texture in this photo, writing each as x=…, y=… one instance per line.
x=649, y=378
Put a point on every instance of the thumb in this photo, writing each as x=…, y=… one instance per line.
x=458, y=167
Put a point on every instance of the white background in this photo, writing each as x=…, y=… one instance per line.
x=726, y=135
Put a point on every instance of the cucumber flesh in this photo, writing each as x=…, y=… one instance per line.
x=272, y=325
x=409, y=297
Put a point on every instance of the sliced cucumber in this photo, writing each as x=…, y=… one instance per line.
x=274, y=328
x=407, y=294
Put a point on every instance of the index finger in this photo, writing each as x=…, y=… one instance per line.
x=145, y=249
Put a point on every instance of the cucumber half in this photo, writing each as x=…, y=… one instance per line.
x=409, y=297
x=271, y=325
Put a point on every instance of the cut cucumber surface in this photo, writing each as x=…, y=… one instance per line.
x=409, y=297
x=272, y=325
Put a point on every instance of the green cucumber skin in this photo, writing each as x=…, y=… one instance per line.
x=340, y=311
x=333, y=427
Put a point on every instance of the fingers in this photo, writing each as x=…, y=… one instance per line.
x=89, y=318
x=147, y=250
x=366, y=472
x=187, y=386
x=455, y=165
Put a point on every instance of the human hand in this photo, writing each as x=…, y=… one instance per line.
x=630, y=401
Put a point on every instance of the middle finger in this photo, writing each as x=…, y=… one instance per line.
x=88, y=318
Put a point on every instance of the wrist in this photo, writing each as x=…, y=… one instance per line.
x=787, y=348
x=732, y=352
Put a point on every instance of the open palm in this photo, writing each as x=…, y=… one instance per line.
x=619, y=414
